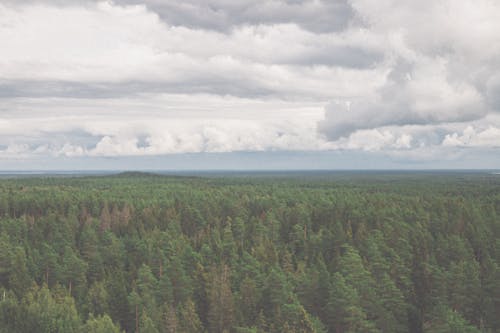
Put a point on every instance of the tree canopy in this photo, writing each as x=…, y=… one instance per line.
x=344, y=253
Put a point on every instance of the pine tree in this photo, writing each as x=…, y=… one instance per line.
x=189, y=322
x=345, y=313
x=100, y=324
x=220, y=300
x=105, y=218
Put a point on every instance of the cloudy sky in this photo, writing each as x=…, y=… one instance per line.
x=235, y=84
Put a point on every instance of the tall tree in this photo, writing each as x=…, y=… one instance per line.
x=220, y=299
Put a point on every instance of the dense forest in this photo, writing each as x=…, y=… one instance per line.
x=264, y=253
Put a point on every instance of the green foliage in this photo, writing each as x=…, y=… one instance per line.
x=101, y=324
x=44, y=311
x=220, y=300
x=334, y=253
x=345, y=311
x=147, y=325
x=188, y=318
x=450, y=321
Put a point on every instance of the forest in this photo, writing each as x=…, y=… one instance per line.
x=340, y=252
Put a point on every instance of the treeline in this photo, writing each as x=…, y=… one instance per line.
x=142, y=253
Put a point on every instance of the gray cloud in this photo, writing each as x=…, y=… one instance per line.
x=319, y=16
x=442, y=72
x=342, y=56
x=493, y=92
x=223, y=15
x=123, y=50
x=405, y=100
x=85, y=90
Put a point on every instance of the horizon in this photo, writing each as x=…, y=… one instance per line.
x=167, y=172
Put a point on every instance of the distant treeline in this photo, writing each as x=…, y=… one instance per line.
x=352, y=253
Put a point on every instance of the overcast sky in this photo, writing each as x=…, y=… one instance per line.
x=307, y=84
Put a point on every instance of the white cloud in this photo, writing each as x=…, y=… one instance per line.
x=471, y=137
x=440, y=54
x=160, y=124
x=110, y=44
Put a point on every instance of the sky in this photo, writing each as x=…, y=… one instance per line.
x=249, y=84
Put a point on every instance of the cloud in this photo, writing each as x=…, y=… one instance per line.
x=472, y=137
x=423, y=95
x=107, y=50
x=375, y=140
x=439, y=55
x=222, y=15
x=155, y=125
x=135, y=78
